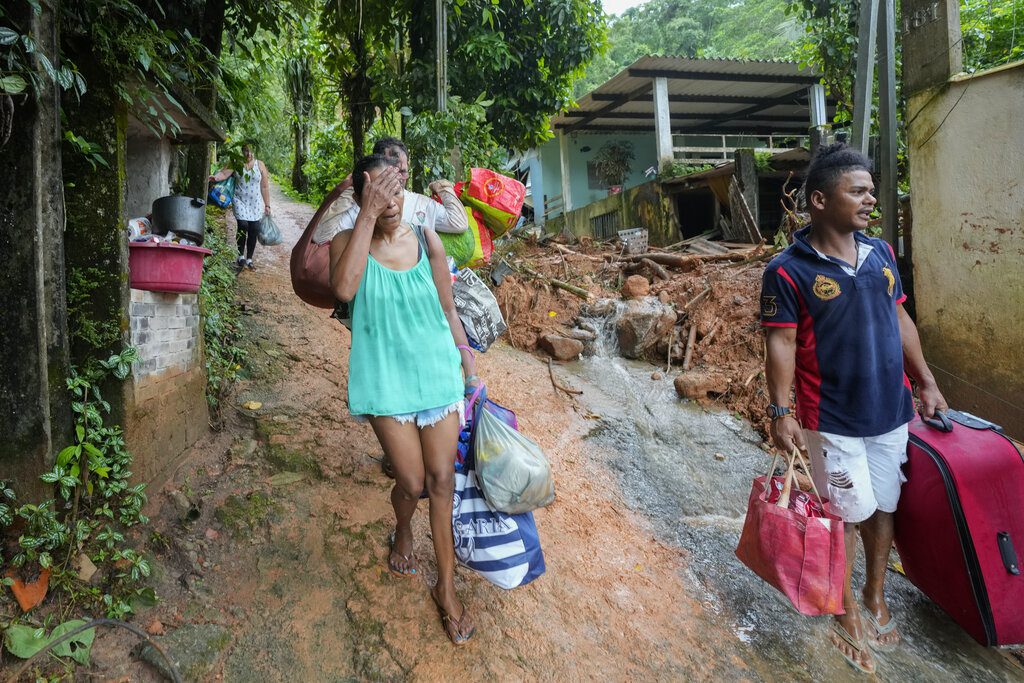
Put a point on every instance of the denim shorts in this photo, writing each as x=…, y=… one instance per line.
x=424, y=418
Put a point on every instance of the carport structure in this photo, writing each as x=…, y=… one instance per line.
x=683, y=96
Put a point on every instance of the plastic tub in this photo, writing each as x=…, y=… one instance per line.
x=165, y=267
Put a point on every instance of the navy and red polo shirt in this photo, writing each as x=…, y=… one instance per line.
x=849, y=358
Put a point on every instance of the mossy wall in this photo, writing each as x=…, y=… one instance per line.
x=95, y=242
x=35, y=416
x=645, y=206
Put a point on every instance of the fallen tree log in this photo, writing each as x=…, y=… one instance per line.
x=684, y=261
x=572, y=289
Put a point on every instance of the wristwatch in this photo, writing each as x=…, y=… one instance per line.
x=775, y=412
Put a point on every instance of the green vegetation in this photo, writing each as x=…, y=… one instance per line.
x=93, y=508
x=613, y=161
x=243, y=515
x=431, y=136
x=222, y=330
x=753, y=29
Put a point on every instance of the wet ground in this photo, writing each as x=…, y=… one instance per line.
x=688, y=470
x=283, y=576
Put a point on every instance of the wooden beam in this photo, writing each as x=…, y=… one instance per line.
x=706, y=76
x=799, y=97
x=644, y=116
x=688, y=130
x=611, y=106
x=747, y=112
x=888, y=194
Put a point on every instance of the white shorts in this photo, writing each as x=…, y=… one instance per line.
x=858, y=474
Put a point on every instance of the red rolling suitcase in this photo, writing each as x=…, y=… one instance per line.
x=960, y=524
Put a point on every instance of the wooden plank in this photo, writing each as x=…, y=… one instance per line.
x=743, y=223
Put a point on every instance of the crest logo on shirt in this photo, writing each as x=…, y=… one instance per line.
x=889, y=276
x=768, y=306
x=421, y=216
x=825, y=288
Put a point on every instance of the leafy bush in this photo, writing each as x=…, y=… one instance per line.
x=431, y=136
x=222, y=332
x=94, y=504
x=330, y=159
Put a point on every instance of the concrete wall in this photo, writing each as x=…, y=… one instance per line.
x=165, y=401
x=644, y=206
x=643, y=149
x=148, y=164
x=967, y=191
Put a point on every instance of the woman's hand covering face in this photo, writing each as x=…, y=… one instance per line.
x=381, y=192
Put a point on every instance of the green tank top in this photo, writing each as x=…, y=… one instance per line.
x=403, y=357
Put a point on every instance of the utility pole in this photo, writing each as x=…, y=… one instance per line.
x=441, y=53
x=877, y=30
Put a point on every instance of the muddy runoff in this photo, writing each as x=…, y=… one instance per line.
x=688, y=469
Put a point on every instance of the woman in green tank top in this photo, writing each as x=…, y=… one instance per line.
x=409, y=366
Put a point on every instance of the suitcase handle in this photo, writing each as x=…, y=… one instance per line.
x=1007, y=552
x=940, y=422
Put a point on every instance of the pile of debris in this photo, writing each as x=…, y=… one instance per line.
x=690, y=308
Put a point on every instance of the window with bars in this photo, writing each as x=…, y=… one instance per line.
x=606, y=225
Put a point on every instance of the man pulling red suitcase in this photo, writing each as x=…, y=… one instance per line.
x=831, y=305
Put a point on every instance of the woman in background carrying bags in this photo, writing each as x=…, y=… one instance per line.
x=251, y=201
x=409, y=356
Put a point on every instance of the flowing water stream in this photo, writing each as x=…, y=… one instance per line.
x=689, y=469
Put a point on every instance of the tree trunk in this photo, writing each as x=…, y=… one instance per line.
x=299, y=180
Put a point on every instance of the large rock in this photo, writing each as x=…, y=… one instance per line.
x=642, y=324
x=561, y=348
x=700, y=385
x=635, y=287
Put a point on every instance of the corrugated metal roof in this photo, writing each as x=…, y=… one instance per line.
x=705, y=95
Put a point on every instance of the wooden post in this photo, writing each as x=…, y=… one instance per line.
x=746, y=175
x=662, y=123
x=864, y=79
x=932, y=48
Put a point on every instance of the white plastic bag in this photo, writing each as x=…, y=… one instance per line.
x=268, y=234
x=478, y=309
x=512, y=471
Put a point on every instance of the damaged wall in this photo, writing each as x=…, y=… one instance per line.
x=646, y=206
x=966, y=143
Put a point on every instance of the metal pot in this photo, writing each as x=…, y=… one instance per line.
x=184, y=216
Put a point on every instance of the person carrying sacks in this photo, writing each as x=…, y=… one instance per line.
x=447, y=217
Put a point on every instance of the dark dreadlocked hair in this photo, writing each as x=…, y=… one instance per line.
x=831, y=162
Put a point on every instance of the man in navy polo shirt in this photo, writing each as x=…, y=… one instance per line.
x=831, y=306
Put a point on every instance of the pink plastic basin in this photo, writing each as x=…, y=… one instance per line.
x=165, y=267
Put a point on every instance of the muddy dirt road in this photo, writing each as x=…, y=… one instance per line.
x=283, y=576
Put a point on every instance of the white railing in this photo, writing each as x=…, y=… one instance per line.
x=712, y=154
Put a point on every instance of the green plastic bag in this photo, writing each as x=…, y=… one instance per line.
x=459, y=246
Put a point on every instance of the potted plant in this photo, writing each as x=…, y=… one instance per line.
x=612, y=163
